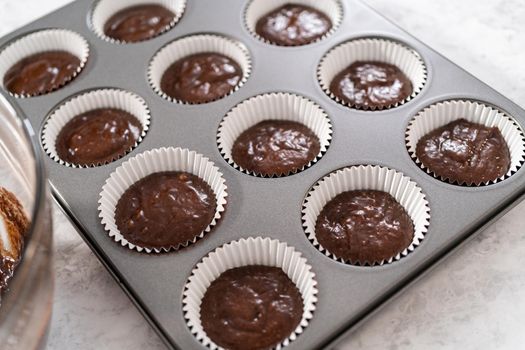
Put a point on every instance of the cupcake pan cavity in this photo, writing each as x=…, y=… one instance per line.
x=273, y=106
x=88, y=101
x=378, y=49
x=41, y=41
x=442, y=113
x=367, y=177
x=195, y=44
x=247, y=252
x=156, y=161
x=269, y=207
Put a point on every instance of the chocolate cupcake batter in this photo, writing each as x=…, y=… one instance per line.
x=165, y=209
x=465, y=152
x=41, y=73
x=275, y=147
x=15, y=225
x=370, y=84
x=251, y=307
x=201, y=78
x=98, y=136
x=364, y=227
x=138, y=23
x=293, y=25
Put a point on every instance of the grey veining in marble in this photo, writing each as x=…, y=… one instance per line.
x=475, y=300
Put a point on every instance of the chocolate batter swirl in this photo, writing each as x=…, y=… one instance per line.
x=251, y=307
x=293, y=25
x=165, y=209
x=371, y=84
x=98, y=136
x=275, y=147
x=364, y=227
x=138, y=23
x=465, y=152
x=41, y=73
x=201, y=78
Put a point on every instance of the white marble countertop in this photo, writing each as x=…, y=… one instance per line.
x=475, y=300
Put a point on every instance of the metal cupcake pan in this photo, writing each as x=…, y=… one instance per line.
x=261, y=206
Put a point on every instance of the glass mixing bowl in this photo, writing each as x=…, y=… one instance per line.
x=25, y=309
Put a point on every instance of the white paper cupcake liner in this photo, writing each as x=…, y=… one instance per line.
x=369, y=177
x=372, y=49
x=256, y=9
x=104, y=9
x=195, y=44
x=88, y=101
x=246, y=252
x=442, y=113
x=42, y=41
x=154, y=161
x=273, y=106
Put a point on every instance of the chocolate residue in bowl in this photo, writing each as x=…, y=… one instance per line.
x=15, y=225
